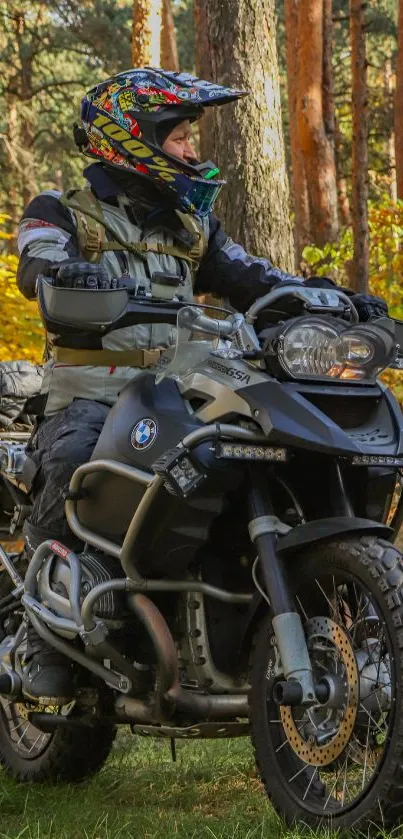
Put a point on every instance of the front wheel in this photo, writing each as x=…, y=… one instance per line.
x=339, y=762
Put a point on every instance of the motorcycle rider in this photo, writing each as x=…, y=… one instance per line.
x=144, y=218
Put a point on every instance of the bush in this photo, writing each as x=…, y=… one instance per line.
x=385, y=264
x=21, y=330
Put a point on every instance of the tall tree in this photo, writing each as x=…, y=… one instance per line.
x=248, y=135
x=47, y=59
x=302, y=232
x=146, y=33
x=360, y=266
x=204, y=70
x=169, y=48
x=399, y=105
x=317, y=148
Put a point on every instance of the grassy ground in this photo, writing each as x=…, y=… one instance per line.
x=211, y=792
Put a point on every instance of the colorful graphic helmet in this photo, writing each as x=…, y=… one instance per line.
x=126, y=119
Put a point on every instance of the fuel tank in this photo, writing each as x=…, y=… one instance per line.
x=146, y=421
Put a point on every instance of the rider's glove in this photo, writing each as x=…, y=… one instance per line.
x=319, y=282
x=368, y=306
x=75, y=273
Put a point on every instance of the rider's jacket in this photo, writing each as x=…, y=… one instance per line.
x=49, y=232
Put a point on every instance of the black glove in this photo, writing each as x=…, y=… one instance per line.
x=320, y=282
x=368, y=306
x=75, y=273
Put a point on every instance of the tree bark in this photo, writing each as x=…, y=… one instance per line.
x=146, y=33
x=248, y=135
x=343, y=199
x=169, y=47
x=399, y=105
x=318, y=153
x=204, y=70
x=360, y=267
x=302, y=231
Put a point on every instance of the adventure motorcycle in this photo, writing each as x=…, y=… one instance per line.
x=237, y=575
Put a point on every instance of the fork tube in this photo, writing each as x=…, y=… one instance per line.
x=272, y=565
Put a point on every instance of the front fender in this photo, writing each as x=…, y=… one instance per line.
x=319, y=529
x=308, y=534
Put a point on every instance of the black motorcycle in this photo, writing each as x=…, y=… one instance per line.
x=237, y=574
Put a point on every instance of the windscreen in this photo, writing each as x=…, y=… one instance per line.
x=191, y=348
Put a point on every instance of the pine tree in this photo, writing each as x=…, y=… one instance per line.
x=399, y=106
x=169, y=47
x=360, y=268
x=248, y=136
x=146, y=33
x=317, y=148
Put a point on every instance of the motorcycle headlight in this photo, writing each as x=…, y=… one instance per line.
x=314, y=348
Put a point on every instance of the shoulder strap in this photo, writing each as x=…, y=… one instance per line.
x=194, y=226
x=91, y=226
x=90, y=222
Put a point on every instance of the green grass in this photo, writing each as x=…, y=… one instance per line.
x=211, y=792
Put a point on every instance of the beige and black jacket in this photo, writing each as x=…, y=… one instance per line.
x=141, y=238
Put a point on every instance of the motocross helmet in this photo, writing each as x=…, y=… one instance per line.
x=127, y=117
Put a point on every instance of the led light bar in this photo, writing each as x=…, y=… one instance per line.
x=245, y=451
x=376, y=460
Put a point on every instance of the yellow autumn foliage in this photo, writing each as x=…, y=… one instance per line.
x=21, y=330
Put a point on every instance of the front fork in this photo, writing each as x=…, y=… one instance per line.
x=264, y=527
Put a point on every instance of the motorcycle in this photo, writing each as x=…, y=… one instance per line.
x=237, y=576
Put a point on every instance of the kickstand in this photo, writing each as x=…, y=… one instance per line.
x=173, y=749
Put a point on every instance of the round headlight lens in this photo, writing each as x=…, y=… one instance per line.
x=313, y=350
x=357, y=351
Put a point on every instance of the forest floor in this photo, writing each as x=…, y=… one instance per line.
x=211, y=792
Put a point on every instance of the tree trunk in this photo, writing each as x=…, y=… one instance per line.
x=399, y=105
x=302, y=232
x=146, y=33
x=12, y=207
x=169, y=48
x=329, y=117
x=248, y=134
x=318, y=153
x=360, y=268
x=204, y=70
x=342, y=191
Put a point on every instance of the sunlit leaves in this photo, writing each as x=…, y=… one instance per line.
x=21, y=331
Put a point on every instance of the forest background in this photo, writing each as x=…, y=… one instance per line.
x=313, y=157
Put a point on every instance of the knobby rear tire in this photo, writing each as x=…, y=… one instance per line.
x=68, y=754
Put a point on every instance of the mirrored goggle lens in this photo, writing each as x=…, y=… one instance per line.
x=201, y=196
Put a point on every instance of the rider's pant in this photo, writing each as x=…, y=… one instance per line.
x=61, y=443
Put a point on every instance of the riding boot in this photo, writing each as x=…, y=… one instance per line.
x=47, y=674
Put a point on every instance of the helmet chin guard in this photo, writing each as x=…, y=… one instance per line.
x=121, y=118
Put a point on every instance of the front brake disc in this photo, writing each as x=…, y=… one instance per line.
x=337, y=643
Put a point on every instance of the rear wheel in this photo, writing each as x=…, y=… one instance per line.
x=30, y=754
x=342, y=761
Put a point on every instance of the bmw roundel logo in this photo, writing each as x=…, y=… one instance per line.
x=144, y=434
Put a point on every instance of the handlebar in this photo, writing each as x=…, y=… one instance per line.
x=198, y=322
x=314, y=299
